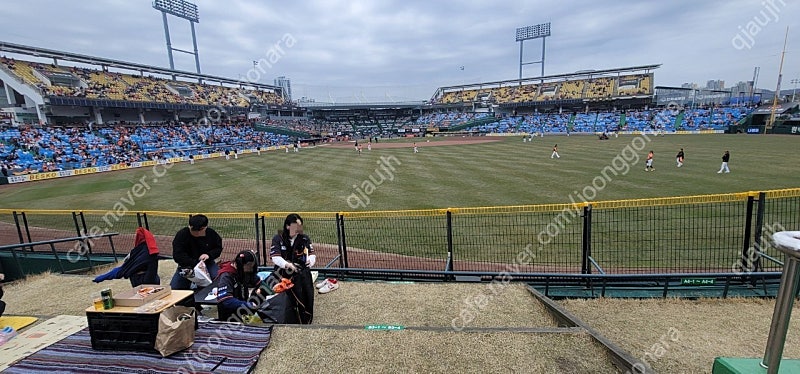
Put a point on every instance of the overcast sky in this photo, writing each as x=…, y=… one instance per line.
x=351, y=51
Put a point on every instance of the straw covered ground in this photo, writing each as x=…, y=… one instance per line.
x=502, y=328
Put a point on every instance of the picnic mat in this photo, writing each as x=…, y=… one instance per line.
x=17, y=322
x=38, y=337
x=218, y=348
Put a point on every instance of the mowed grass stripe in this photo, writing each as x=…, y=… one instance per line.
x=483, y=187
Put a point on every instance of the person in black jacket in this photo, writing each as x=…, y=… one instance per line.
x=193, y=244
x=293, y=255
x=725, y=158
x=233, y=283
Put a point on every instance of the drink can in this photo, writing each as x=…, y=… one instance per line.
x=108, y=300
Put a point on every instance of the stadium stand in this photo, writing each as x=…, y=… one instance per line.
x=668, y=120
x=631, y=85
x=52, y=80
x=454, y=97
x=30, y=150
x=600, y=88
x=448, y=119
x=572, y=89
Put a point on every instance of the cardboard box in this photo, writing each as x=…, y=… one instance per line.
x=134, y=297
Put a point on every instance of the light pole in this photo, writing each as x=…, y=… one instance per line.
x=181, y=9
x=795, y=82
x=542, y=31
x=255, y=68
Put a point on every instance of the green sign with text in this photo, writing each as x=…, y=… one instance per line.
x=384, y=327
x=698, y=281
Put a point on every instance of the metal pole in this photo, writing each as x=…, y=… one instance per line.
x=194, y=43
x=169, y=43
x=787, y=242
x=759, y=231
x=543, y=39
x=586, y=267
x=778, y=88
x=339, y=241
x=19, y=228
x=745, y=265
x=264, y=239
x=520, y=58
x=344, y=242
x=780, y=317
x=258, y=243
x=449, y=221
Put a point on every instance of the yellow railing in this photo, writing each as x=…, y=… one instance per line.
x=608, y=204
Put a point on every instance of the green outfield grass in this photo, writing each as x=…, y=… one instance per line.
x=503, y=173
x=508, y=172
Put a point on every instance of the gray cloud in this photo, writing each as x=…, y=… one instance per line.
x=348, y=50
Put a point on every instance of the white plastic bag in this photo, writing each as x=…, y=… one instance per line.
x=199, y=275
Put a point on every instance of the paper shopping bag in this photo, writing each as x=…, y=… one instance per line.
x=175, y=330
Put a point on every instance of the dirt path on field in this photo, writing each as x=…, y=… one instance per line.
x=421, y=143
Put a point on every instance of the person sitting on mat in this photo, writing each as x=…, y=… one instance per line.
x=193, y=244
x=233, y=283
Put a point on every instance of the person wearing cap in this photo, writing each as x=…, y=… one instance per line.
x=234, y=281
x=193, y=244
x=293, y=255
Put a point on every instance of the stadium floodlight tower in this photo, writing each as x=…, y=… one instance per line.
x=181, y=9
x=541, y=30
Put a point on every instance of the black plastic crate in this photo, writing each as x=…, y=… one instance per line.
x=123, y=331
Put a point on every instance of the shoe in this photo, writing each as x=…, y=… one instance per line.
x=322, y=284
x=719, y=172
x=332, y=285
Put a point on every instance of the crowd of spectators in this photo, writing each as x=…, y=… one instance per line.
x=666, y=120
x=448, y=119
x=295, y=124
x=40, y=149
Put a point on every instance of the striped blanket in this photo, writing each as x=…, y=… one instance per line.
x=217, y=348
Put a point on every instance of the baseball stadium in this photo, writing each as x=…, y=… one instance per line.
x=586, y=222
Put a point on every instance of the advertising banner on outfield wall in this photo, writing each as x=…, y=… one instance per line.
x=792, y=130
